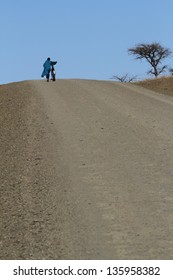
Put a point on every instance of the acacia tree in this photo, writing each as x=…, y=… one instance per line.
x=154, y=54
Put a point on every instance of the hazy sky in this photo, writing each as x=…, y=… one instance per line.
x=89, y=38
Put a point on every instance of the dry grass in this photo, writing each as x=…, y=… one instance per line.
x=162, y=85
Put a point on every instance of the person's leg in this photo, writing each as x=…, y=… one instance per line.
x=47, y=76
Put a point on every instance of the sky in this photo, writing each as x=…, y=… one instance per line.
x=88, y=38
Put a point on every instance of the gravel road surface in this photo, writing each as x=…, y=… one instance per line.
x=86, y=171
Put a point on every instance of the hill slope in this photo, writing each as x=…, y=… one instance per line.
x=86, y=171
x=162, y=85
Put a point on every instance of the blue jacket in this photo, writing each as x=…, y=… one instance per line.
x=47, y=67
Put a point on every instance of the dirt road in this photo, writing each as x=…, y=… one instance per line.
x=86, y=171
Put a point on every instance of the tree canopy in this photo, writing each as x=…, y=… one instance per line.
x=154, y=54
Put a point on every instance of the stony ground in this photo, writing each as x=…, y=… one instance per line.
x=86, y=171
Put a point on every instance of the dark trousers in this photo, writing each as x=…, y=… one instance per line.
x=47, y=76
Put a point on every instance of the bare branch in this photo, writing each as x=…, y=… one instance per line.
x=125, y=78
x=171, y=71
